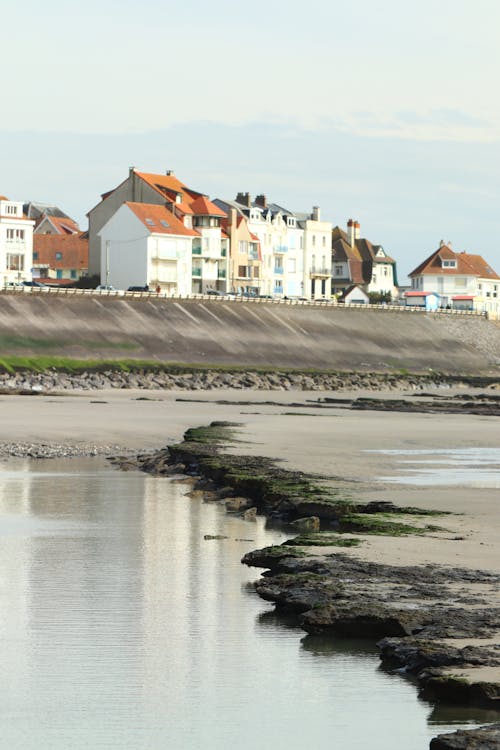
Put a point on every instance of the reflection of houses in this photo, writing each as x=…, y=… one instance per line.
x=357, y=261
x=16, y=242
x=185, y=213
x=462, y=280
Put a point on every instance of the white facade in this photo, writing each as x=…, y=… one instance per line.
x=382, y=281
x=317, y=257
x=210, y=259
x=16, y=242
x=135, y=255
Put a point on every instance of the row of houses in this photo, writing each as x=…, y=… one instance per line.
x=153, y=230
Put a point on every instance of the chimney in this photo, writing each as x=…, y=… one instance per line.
x=244, y=198
x=261, y=201
x=169, y=172
x=316, y=213
x=131, y=171
x=353, y=231
x=232, y=218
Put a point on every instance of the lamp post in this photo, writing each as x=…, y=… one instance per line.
x=108, y=243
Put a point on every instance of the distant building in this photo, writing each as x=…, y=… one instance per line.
x=16, y=242
x=358, y=261
x=60, y=258
x=182, y=206
x=426, y=300
x=462, y=280
x=354, y=295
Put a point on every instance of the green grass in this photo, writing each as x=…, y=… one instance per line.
x=364, y=523
x=322, y=539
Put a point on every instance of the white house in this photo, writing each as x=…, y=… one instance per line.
x=16, y=242
x=461, y=279
x=147, y=244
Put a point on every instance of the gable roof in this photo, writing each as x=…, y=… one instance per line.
x=467, y=264
x=159, y=220
x=59, y=224
x=204, y=207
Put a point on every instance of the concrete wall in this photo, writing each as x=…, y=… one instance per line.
x=226, y=332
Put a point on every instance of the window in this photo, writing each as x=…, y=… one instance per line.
x=291, y=221
x=338, y=270
x=59, y=273
x=73, y=273
x=35, y=256
x=242, y=272
x=58, y=256
x=449, y=263
x=314, y=240
x=243, y=246
x=292, y=265
x=11, y=210
x=15, y=262
x=324, y=241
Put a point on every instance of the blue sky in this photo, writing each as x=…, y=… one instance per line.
x=384, y=112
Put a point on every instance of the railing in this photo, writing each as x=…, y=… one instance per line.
x=196, y=251
x=320, y=271
x=66, y=291
x=221, y=273
x=196, y=272
x=280, y=249
x=278, y=270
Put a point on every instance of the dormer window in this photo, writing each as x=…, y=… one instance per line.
x=254, y=215
x=178, y=198
x=449, y=263
x=291, y=222
x=10, y=209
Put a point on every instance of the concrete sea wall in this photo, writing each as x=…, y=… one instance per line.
x=228, y=332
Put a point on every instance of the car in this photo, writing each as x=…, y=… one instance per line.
x=214, y=293
x=144, y=288
x=37, y=284
x=105, y=288
x=14, y=285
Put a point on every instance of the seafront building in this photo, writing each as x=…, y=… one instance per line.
x=16, y=242
x=461, y=281
x=357, y=261
x=183, y=246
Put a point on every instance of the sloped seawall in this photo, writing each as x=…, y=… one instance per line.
x=230, y=332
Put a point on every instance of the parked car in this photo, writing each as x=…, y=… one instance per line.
x=214, y=293
x=105, y=288
x=144, y=288
x=14, y=285
x=35, y=284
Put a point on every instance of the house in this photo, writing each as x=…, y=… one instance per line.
x=245, y=263
x=356, y=260
x=295, y=259
x=16, y=242
x=463, y=280
x=146, y=244
x=185, y=208
x=426, y=300
x=60, y=258
x=354, y=295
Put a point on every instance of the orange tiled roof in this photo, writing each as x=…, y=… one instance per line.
x=467, y=264
x=60, y=224
x=204, y=207
x=159, y=220
x=73, y=247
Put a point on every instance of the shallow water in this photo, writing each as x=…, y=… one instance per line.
x=122, y=627
x=464, y=467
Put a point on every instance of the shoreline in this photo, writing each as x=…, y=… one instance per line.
x=340, y=443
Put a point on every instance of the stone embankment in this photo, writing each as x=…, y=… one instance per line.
x=31, y=382
x=229, y=333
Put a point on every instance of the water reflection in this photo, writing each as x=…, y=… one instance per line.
x=122, y=626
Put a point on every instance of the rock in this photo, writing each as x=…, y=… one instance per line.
x=486, y=738
x=215, y=536
x=310, y=523
x=237, y=504
x=250, y=514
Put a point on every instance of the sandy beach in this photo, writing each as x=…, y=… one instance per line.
x=362, y=453
x=360, y=449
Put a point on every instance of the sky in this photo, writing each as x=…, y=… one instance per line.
x=383, y=112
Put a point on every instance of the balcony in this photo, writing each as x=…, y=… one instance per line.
x=320, y=272
x=196, y=250
x=221, y=273
x=280, y=249
x=223, y=252
x=278, y=270
x=196, y=272
x=278, y=290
